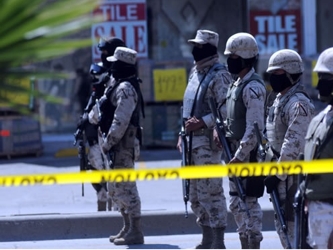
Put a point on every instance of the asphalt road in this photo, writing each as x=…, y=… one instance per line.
x=185, y=241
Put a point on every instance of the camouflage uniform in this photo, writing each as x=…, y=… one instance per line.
x=202, y=191
x=124, y=194
x=254, y=95
x=96, y=160
x=319, y=145
x=319, y=186
x=290, y=115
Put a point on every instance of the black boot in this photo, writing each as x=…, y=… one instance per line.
x=134, y=235
x=101, y=206
x=124, y=230
x=218, y=238
x=207, y=238
x=244, y=242
x=254, y=243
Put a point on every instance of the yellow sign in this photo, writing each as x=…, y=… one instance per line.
x=314, y=74
x=169, y=84
x=191, y=172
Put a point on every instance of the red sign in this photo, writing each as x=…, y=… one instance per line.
x=124, y=19
x=275, y=32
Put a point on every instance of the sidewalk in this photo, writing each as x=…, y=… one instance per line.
x=60, y=212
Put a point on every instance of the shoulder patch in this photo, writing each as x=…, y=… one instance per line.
x=301, y=109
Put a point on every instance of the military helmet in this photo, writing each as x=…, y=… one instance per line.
x=110, y=44
x=242, y=44
x=325, y=62
x=286, y=59
x=97, y=69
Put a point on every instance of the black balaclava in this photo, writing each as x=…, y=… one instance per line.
x=106, y=63
x=283, y=81
x=205, y=51
x=122, y=70
x=109, y=44
x=325, y=88
x=279, y=82
x=236, y=65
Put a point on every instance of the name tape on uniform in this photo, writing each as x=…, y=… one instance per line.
x=190, y=172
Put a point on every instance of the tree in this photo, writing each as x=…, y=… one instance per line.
x=34, y=31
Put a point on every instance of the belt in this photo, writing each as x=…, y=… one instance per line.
x=202, y=131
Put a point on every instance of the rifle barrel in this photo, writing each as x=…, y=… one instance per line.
x=222, y=137
x=277, y=207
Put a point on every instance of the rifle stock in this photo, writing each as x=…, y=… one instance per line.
x=274, y=196
x=222, y=137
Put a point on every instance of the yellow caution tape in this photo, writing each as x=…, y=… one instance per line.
x=191, y=172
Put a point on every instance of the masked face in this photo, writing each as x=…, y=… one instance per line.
x=201, y=52
x=106, y=63
x=235, y=65
x=121, y=70
x=325, y=87
x=279, y=82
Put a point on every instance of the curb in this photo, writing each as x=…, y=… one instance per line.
x=103, y=224
x=66, y=152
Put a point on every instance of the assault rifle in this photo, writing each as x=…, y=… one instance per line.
x=79, y=137
x=274, y=196
x=261, y=147
x=109, y=157
x=185, y=162
x=222, y=137
x=301, y=219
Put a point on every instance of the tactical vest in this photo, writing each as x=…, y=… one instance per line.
x=108, y=109
x=194, y=104
x=318, y=145
x=236, y=110
x=276, y=124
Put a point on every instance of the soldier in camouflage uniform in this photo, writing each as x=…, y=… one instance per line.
x=245, y=105
x=94, y=154
x=97, y=160
x=208, y=78
x=119, y=124
x=286, y=127
x=318, y=145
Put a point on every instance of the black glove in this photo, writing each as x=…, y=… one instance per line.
x=271, y=182
x=82, y=122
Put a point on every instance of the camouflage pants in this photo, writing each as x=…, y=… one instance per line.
x=247, y=227
x=125, y=194
x=320, y=216
x=96, y=160
x=286, y=191
x=207, y=198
